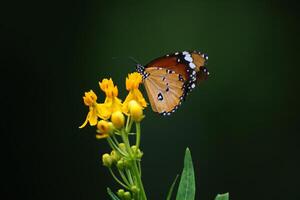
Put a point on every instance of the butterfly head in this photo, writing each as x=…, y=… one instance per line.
x=141, y=70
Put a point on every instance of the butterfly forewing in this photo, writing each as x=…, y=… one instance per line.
x=171, y=62
x=164, y=90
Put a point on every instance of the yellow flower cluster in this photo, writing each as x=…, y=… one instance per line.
x=113, y=108
x=132, y=85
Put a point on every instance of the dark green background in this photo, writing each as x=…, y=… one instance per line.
x=241, y=125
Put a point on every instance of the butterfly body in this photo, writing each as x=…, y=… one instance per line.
x=170, y=78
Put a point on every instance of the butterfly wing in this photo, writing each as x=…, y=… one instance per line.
x=171, y=62
x=183, y=63
x=165, y=90
x=200, y=61
x=170, y=78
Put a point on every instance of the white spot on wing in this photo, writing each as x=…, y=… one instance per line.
x=188, y=58
x=185, y=52
x=192, y=65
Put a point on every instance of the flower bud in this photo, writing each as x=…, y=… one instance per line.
x=115, y=156
x=118, y=119
x=137, y=152
x=134, y=189
x=104, y=126
x=127, y=163
x=106, y=160
x=136, y=111
x=127, y=196
x=120, y=193
x=122, y=146
x=140, y=154
x=134, y=149
x=120, y=164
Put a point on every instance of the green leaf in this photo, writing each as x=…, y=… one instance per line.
x=186, y=189
x=112, y=195
x=171, y=188
x=222, y=196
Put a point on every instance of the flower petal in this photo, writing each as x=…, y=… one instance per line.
x=101, y=135
x=93, y=117
x=104, y=110
x=136, y=95
x=86, y=120
x=140, y=98
x=133, y=81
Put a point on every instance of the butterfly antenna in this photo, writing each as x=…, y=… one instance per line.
x=129, y=57
x=134, y=60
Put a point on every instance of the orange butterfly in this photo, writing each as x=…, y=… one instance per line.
x=170, y=78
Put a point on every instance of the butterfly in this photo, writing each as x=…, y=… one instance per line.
x=169, y=79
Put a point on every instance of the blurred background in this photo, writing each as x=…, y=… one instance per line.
x=241, y=124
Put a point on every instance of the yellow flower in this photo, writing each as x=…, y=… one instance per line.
x=132, y=85
x=90, y=99
x=133, y=81
x=118, y=119
x=111, y=103
x=104, y=128
x=107, y=86
x=135, y=111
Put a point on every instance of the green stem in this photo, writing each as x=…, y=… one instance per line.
x=134, y=168
x=140, y=169
x=124, y=177
x=115, y=140
x=139, y=181
x=127, y=122
x=125, y=139
x=128, y=173
x=133, y=172
x=120, y=182
x=111, y=144
x=115, y=147
x=138, y=134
